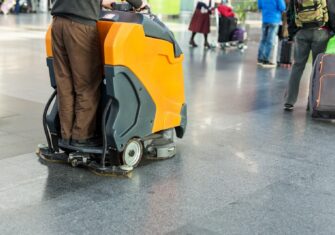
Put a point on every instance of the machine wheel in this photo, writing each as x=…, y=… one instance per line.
x=74, y=163
x=132, y=153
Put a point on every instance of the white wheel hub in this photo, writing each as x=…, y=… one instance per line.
x=133, y=153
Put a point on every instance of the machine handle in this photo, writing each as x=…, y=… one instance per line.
x=124, y=6
x=146, y=8
x=117, y=6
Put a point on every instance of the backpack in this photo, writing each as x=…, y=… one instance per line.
x=311, y=13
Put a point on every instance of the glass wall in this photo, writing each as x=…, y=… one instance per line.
x=187, y=5
x=166, y=7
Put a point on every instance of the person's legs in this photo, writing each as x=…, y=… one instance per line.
x=17, y=7
x=261, y=57
x=301, y=54
x=64, y=80
x=29, y=2
x=270, y=40
x=206, y=41
x=192, y=42
x=85, y=59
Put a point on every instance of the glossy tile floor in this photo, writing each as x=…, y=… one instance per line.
x=244, y=167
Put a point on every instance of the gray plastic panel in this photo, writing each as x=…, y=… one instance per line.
x=133, y=110
x=180, y=131
x=153, y=27
x=50, y=61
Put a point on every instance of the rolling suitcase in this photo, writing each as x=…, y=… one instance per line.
x=238, y=35
x=331, y=14
x=226, y=26
x=322, y=87
x=285, y=53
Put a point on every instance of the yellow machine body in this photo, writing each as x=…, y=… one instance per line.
x=154, y=64
x=151, y=60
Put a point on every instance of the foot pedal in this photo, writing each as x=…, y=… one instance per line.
x=44, y=153
x=82, y=159
x=79, y=159
x=110, y=170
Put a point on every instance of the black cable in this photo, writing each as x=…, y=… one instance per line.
x=46, y=131
x=104, y=134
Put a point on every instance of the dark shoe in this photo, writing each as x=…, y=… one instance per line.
x=260, y=62
x=193, y=44
x=288, y=107
x=208, y=46
x=267, y=64
x=64, y=142
x=92, y=142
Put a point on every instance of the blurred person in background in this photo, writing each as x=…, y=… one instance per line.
x=32, y=5
x=200, y=22
x=225, y=10
x=17, y=7
x=271, y=19
x=311, y=33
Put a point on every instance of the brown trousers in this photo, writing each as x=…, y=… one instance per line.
x=78, y=71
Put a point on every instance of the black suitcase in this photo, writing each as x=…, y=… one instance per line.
x=322, y=87
x=286, y=52
x=227, y=25
x=331, y=13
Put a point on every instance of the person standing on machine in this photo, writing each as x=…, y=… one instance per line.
x=78, y=67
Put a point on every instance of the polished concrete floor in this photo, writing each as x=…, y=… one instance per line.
x=244, y=167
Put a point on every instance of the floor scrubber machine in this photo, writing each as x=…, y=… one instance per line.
x=143, y=102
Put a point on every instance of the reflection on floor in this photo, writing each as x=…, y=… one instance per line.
x=244, y=167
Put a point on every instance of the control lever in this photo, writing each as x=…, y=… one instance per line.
x=117, y=6
x=146, y=10
x=124, y=6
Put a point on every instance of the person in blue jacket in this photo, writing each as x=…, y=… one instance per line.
x=271, y=17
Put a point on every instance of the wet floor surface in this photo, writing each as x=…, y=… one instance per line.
x=244, y=167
